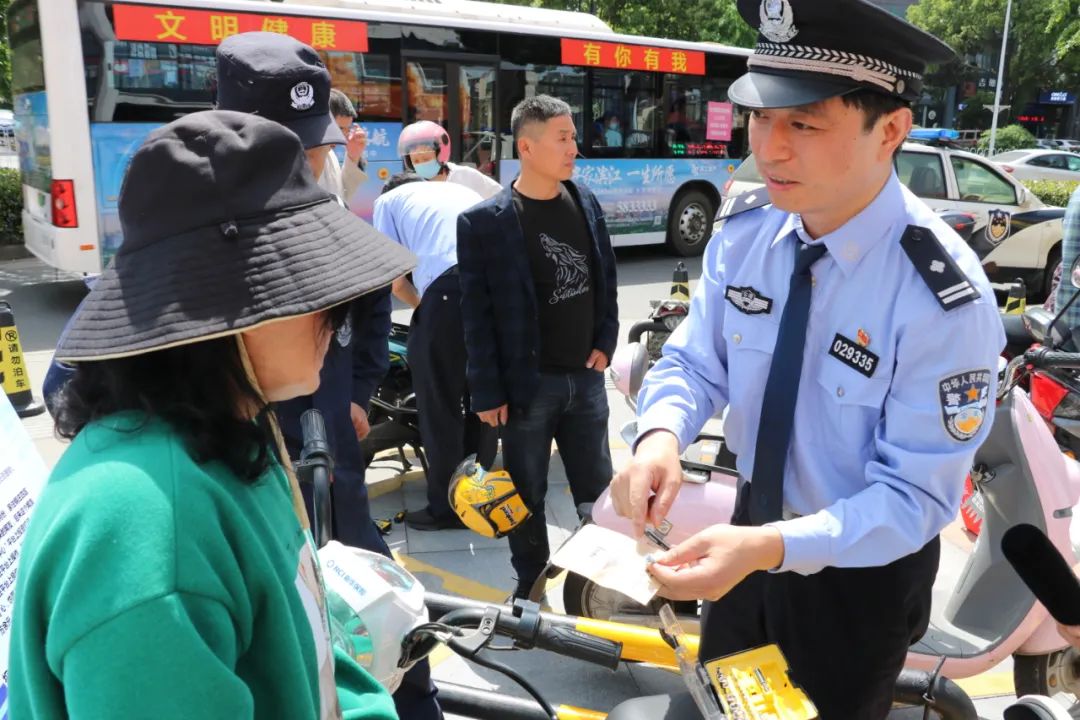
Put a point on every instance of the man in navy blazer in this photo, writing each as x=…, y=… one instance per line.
x=541, y=321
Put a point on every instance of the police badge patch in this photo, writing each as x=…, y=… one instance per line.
x=344, y=333
x=748, y=300
x=964, y=398
x=777, y=20
x=999, y=227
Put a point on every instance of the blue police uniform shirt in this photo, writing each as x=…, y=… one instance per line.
x=895, y=395
x=422, y=216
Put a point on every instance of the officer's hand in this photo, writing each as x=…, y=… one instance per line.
x=655, y=469
x=359, y=421
x=597, y=361
x=1071, y=634
x=495, y=417
x=709, y=564
x=355, y=143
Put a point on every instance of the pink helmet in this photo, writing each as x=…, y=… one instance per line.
x=424, y=134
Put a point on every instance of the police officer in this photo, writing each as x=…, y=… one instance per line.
x=423, y=217
x=852, y=337
x=283, y=79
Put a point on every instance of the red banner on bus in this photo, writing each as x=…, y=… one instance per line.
x=142, y=23
x=621, y=56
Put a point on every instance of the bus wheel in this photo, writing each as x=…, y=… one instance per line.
x=690, y=223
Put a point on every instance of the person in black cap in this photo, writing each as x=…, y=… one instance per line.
x=281, y=78
x=853, y=339
x=167, y=570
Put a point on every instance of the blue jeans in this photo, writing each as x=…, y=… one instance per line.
x=571, y=409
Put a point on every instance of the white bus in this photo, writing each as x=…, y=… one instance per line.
x=658, y=138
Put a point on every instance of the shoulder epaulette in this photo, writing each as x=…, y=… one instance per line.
x=939, y=271
x=743, y=202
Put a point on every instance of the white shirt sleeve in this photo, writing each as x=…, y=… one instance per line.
x=474, y=180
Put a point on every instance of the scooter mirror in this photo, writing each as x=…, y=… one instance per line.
x=1037, y=320
x=1074, y=274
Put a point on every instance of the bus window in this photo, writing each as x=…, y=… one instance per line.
x=519, y=82
x=686, y=107
x=625, y=114
x=28, y=92
x=427, y=92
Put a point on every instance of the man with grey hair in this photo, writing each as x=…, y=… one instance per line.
x=539, y=306
x=343, y=180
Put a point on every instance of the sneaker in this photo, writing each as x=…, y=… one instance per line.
x=425, y=520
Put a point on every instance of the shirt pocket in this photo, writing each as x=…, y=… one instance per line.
x=751, y=340
x=852, y=405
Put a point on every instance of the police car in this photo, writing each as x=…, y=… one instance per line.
x=1016, y=235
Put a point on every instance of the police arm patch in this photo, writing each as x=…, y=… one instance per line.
x=964, y=399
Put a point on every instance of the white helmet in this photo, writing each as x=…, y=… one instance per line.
x=373, y=604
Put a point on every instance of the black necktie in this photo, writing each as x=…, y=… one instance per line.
x=781, y=389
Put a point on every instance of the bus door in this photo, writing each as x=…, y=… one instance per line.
x=459, y=94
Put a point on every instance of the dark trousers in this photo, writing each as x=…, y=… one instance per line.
x=437, y=356
x=844, y=631
x=571, y=409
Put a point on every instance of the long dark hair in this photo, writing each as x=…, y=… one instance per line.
x=198, y=389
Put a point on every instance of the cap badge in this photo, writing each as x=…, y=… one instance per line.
x=777, y=20
x=303, y=96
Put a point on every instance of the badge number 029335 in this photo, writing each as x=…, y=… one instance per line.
x=854, y=355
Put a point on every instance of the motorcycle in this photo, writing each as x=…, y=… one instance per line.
x=393, y=414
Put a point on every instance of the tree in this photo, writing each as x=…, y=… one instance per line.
x=1044, y=40
x=5, y=57
x=694, y=20
x=1013, y=137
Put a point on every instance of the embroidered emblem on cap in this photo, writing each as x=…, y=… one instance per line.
x=344, y=333
x=777, y=20
x=302, y=95
x=748, y=300
x=964, y=398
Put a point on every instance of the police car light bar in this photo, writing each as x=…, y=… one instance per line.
x=931, y=134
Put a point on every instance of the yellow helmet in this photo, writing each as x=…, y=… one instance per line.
x=487, y=502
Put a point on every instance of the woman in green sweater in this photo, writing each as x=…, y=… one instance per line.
x=167, y=571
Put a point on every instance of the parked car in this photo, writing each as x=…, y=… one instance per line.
x=1016, y=235
x=1040, y=164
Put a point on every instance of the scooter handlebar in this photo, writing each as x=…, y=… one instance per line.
x=1042, y=357
x=573, y=643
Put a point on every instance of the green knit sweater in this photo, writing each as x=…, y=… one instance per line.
x=152, y=586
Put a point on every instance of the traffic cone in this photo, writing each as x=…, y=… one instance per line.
x=1017, y=300
x=14, y=375
x=680, y=283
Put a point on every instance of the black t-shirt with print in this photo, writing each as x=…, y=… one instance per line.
x=560, y=256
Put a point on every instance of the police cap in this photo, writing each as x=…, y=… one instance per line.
x=811, y=50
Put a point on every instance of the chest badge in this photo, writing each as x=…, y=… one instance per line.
x=854, y=354
x=863, y=338
x=964, y=399
x=748, y=300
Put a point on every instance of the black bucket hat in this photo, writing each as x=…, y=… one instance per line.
x=224, y=229
x=280, y=78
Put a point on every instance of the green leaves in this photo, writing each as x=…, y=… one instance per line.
x=695, y=20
